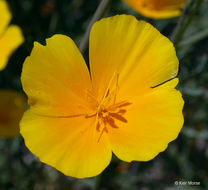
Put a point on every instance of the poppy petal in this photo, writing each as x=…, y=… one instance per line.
x=55, y=78
x=9, y=41
x=157, y=9
x=153, y=120
x=68, y=144
x=5, y=16
x=134, y=50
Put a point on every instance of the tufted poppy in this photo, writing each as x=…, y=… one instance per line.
x=127, y=104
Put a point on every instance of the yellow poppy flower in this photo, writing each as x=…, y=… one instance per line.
x=10, y=36
x=78, y=118
x=157, y=9
x=12, y=107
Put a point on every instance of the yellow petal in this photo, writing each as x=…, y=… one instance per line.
x=56, y=78
x=134, y=50
x=68, y=144
x=12, y=106
x=157, y=9
x=153, y=120
x=5, y=16
x=9, y=41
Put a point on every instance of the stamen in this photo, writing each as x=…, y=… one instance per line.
x=108, y=88
x=91, y=99
x=90, y=115
x=111, y=122
x=104, y=130
x=117, y=77
x=107, y=93
x=98, y=126
x=121, y=111
x=118, y=105
x=118, y=117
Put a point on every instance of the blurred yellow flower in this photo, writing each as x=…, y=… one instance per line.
x=12, y=107
x=157, y=9
x=77, y=119
x=10, y=36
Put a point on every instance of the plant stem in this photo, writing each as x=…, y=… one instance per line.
x=194, y=38
x=185, y=22
x=97, y=15
x=180, y=22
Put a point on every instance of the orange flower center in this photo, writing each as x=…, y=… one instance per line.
x=107, y=111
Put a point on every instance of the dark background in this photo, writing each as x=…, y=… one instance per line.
x=186, y=159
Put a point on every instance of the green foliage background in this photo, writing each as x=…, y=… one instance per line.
x=186, y=159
